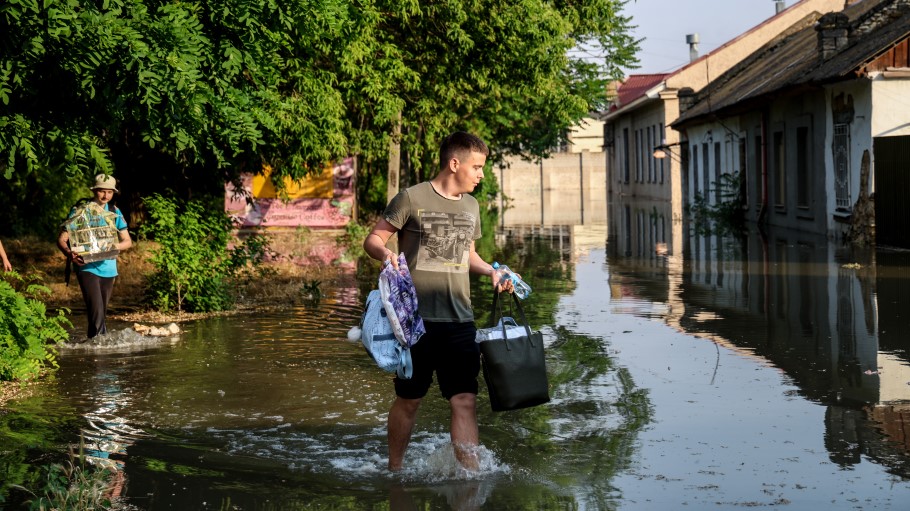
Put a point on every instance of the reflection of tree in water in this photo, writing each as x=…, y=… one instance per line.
x=543, y=262
x=585, y=435
x=31, y=431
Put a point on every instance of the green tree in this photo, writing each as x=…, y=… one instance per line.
x=185, y=95
x=178, y=95
x=501, y=69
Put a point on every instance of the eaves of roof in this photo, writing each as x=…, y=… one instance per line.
x=637, y=84
x=791, y=63
x=652, y=94
x=862, y=50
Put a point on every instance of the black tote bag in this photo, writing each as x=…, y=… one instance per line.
x=514, y=368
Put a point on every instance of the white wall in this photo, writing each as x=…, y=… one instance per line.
x=890, y=107
x=860, y=140
x=727, y=133
x=588, y=135
x=644, y=181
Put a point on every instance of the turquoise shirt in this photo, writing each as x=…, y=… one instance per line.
x=108, y=267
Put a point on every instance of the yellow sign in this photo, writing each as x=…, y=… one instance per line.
x=315, y=186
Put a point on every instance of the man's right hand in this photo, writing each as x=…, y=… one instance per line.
x=391, y=259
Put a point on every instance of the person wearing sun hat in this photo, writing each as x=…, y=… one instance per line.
x=96, y=278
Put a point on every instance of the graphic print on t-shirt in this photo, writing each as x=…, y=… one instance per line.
x=445, y=241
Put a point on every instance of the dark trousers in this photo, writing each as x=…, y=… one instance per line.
x=96, y=293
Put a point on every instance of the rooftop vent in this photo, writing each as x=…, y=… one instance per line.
x=692, y=41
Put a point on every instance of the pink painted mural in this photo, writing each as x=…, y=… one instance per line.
x=324, y=200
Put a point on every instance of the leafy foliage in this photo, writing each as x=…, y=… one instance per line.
x=185, y=95
x=76, y=484
x=352, y=239
x=726, y=216
x=194, y=268
x=32, y=429
x=202, y=82
x=500, y=69
x=28, y=335
x=530, y=255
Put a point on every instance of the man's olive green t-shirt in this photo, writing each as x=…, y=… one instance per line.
x=435, y=234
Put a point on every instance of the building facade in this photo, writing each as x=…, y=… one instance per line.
x=803, y=122
x=646, y=105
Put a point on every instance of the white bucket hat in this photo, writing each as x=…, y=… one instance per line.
x=105, y=182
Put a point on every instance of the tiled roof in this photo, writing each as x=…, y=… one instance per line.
x=635, y=87
x=792, y=60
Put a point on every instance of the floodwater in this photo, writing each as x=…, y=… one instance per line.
x=685, y=370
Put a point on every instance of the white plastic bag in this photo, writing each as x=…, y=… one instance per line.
x=512, y=330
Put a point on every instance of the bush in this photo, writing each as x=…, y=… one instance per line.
x=28, y=336
x=78, y=484
x=727, y=217
x=352, y=239
x=194, y=268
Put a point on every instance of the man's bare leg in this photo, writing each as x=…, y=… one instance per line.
x=401, y=422
x=464, y=429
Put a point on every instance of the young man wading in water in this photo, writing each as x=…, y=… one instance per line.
x=437, y=222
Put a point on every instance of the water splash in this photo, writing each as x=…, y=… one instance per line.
x=356, y=455
x=433, y=460
x=118, y=340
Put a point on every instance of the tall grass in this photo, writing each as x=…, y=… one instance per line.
x=77, y=484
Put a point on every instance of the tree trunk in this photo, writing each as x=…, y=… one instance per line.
x=394, y=160
x=394, y=174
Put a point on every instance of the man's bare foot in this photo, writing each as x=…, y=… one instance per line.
x=467, y=457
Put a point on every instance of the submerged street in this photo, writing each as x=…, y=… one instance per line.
x=715, y=374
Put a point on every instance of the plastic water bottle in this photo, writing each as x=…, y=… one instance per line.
x=522, y=289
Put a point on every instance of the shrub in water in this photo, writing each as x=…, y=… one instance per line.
x=194, y=268
x=28, y=336
x=77, y=484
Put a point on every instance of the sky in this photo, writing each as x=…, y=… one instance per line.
x=664, y=25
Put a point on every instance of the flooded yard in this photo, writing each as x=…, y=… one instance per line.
x=685, y=370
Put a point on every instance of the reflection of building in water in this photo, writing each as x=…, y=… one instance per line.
x=807, y=306
x=892, y=411
x=645, y=229
x=804, y=310
x=645, y=241
x=569, y=241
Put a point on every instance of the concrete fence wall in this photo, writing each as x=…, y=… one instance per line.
x=565, y=189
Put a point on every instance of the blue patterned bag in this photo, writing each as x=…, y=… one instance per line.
x=379, y=340
x=400, y=301
x=391, y=324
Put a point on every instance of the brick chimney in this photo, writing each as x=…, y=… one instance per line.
x=833, y=30
x=686, y=97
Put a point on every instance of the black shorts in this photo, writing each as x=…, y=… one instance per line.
x=449, y=349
